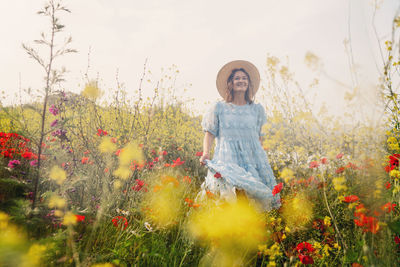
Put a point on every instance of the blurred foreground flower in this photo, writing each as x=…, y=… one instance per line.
x=57, y=174
x=297, y=211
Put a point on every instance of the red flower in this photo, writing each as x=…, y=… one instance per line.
x=85, y=160
x=350, y=199
x=177, y=162
x=199, y=154
x=304, y=247
x=100, y=132
x=139, y=186
x=27, y=155
x=388, y=207
x=355, y=264
x=305, y=259
x=277, y=189
x=217, y=175
x=163, y=153
x=340, y=170
x=339, y=156
x=118, y=221
x=79, y=218
x=324, y=160
x=314, y=164
x=393, y=162
x=187, y=179
x=388, y=185
x=352, y=166
x=397, y=239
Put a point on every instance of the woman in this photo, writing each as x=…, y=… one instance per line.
x=239, y=165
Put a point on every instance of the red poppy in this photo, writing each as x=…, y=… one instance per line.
x=324, y=160
x=139, y=186
x=304, y=247
x=355, y=264
x=388, y=185
x=305, y=259
x=79, y=218
x=388, y=207
x=217, y=175
x=277, y=189
x=177, y=162
x=393, y=162
x=339, y=156
x=118, y=221
x=397, y=239
x=340, y=170
x=350, y=199
x=85, y=160
x=100, y=132
x=199, y=154
x=314, y=164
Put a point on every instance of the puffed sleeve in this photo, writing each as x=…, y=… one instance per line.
x=210, y=122
x=261, y=119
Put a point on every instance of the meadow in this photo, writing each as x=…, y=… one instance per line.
x=89, y=183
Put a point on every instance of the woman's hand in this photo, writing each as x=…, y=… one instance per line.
x=204, y=157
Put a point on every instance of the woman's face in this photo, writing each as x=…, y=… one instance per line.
x=240, y=82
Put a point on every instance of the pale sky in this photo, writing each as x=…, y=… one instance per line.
x=199, y=37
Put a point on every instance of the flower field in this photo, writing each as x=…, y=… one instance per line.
x=84, y=183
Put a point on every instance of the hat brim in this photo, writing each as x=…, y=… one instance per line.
x=226, y=70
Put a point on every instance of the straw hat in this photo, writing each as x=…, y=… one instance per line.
x=226, y=70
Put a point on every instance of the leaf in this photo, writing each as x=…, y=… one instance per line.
x=395, y=226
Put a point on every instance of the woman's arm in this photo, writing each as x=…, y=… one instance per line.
x=207, y=142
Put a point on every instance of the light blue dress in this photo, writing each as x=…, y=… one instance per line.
x=238, y=155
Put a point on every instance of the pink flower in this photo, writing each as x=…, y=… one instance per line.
x=33, y=163
x=277, y=189
x=13, y=163
x=53, y=110
x=314, y=164
x=324, y=160
x=339, y=156
x=54, y=123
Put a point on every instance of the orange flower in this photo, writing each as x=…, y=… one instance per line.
x=169, y=179
x=210, y=195
x=85, y=160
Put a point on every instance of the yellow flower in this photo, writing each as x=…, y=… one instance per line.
x=395, y=173
x=123, y=172
x=339, y=183
x=91, y=90
x=287, y=174
x=106, y=146
x=327, y=221
x=129, y=153
x=57, y=174
x=33, y=257
x=56, y=202
x=103, y=265
x=297, y=211
x=69, y=219
x=58, y=213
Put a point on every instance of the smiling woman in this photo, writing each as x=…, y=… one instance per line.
x=240, y=165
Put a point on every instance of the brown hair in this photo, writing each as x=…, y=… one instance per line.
x=248, y=96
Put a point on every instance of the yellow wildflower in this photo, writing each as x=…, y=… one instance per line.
x=33, y=257
x=327, y=220
x=297, y=211
x=106, y=146
x=56, y=202
x=123, y=172
x=57, y=174
x=91, y=90
x=69, y=219
x=339, y=183
x=287, y=175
